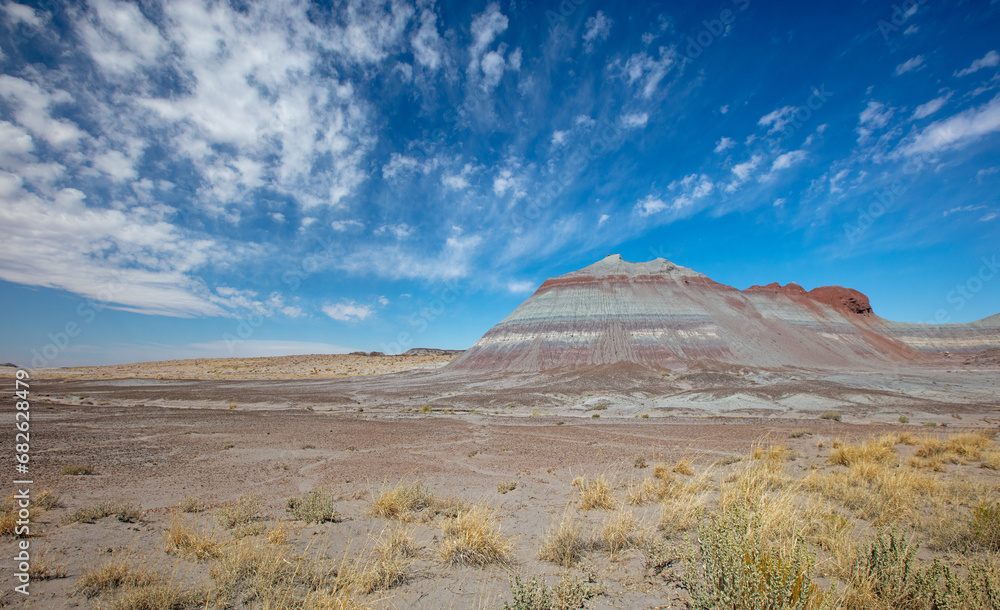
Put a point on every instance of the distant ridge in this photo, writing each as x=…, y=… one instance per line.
x=661, y=315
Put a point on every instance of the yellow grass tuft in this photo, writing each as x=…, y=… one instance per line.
x=182, y=538
x=620, y=532
x=595, y=493
x=684, y=467
x=874, y=451
x=474, y=538
x=563, y=542
x=394, y=552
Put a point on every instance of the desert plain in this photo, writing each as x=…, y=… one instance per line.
x=377, y=481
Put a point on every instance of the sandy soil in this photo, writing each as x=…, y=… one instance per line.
x=159, y=441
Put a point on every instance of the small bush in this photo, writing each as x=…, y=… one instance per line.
x=569, y=592
x=740, y=569
x=190, y=504
x=77, y=469
x=245, y=510
x=984, y=526
x=831, y=415
x=43, y=569
x=393, y=555
x=403, y=501
x=888, y=576
x=506, y=487
x=47, y=499
x=904, y=419
x=639, y=462
x=799, y=433
x=112, y=575
x=474, y=538
x=314, y=507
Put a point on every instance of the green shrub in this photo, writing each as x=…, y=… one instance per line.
x=569, y=592
x=985, y=526
x=738, y=569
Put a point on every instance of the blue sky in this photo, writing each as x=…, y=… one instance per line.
x=187, y=179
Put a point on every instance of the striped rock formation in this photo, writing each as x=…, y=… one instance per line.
x=660, y=315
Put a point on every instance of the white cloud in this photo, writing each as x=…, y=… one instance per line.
x=643, y=70
x=19, y=13
x=250, y=348
x=399, y=163
x=597, y=28
x=724, y=109
x=521, y=287
x=504, y=181
x=909, y=65
x=32, y=105
x=486, y=68
x=343, y=225
x=278, y=217
x=558, y=137
x=876, y=115
x=428, y=48
x=780, y=201
x=777, y=119
x=990, y=60
x=957, y=130
x=348, y=311
x=394, y=262
x=788, y=159
x=400, y=231
x=928, y=108
x=368, y=33
x=635, y=121
x=988, y=217
x=133, y=259
x=962, y=208
x=650, y=205
x=603, y=219
x=743, y=170
x=584, y=121
x=724, y=144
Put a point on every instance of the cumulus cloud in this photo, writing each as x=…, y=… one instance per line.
x=348, y=311
x=990, y=60
x=644, y=71
x=876, y=115
x=788, y=159
x=724, y=144
x=428, y=47
x=650, y=205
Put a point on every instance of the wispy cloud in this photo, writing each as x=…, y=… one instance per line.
x=990, y=60
x=956, y=131
x=910, y=65
x=348, y=311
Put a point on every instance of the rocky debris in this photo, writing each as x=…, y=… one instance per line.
x=370, y=354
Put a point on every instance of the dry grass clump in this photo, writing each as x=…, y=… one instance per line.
x=984, y=526
x=126, y=512
x=244, y=511
x=42, y=568
x=248, y=572
x=314, y=507
x=77, y=469
x=620, y=531
x=47, y=499
x=506, y=487
x=880, y=451
x=775, y=453
x=408, y=501
x=182, y=538
x=875, y=491
x=563, y=542
x=956, y=449
x=394, y=552
x=596, y=492
x=474, y=538
x=113, y=574
x=684, y=467
x=191, y=504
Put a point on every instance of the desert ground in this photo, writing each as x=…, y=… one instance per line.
x=347, y=482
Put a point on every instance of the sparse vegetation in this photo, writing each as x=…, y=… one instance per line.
x=474, y=538
x=317, y=506
x=126, y=512
x=831, y=415
x=568, y=593
x=183, y=538
x=563, y=542
x=506, y=487
x=244, y=511
x=410, y=501
x=77, y=469
x=595, y=492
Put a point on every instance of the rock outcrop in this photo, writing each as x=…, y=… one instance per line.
x=660, y=315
